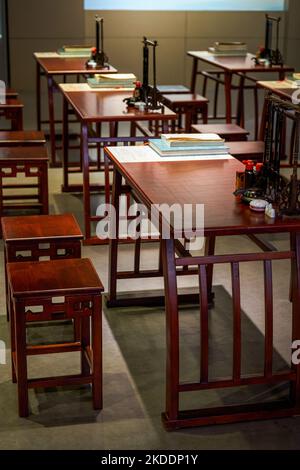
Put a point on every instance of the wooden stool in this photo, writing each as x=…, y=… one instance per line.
x=228, y=132
x=24, y=138
x=11, y=93
x=77, y=287
x=13, y=110
x=250, y=150
x=36, y=237
x=32, y=162
x=188, y=104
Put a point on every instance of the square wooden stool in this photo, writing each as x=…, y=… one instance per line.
x=228, y=132
x=11, y=93
x=36, y=237
x=23, y=138
x=189, y=105
x=61, y=289
x=250, y=150
x=12, y=110
x=32, y=162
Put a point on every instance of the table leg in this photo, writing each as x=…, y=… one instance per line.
x=194, y=75
x=65, y=146
x=210, y=245
x=113, y=243
x=38, y=97
x=240, y=120
x=172, y=331
x=51, y=119
x=295, y=246
x=86, y=180
x=228, y=82
x=263, y=120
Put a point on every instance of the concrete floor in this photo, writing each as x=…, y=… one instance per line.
x=134, y=364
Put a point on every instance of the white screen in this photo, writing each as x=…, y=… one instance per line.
x=185, y=5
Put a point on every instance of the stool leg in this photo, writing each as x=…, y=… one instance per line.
x=21, y=359
x=97, y=352
x=6, y=286
x=12, y=340
x=85, y=342
x=43, y=189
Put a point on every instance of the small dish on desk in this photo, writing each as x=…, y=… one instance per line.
x=258, y=205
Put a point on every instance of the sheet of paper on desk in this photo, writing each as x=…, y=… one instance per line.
x=143, y=153
x=282, y=84
x=46, y=55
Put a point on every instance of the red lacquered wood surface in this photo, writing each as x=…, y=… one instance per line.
x=210, y=182
x=237, y=64
x=97, y=106
x=22, y=138
x=53, y=277
x=32, y=227
x=69, y=65
x=23, y=153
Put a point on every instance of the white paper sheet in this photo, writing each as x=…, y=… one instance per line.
x=143, y=153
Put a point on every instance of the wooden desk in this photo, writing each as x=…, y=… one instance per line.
x=51, y=65
x=231, y=66
x=96, y=107
x=209, y=182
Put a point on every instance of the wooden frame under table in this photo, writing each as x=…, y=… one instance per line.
x=232, y=66
x=212, y=183
x=51, y=65
x=95, y=107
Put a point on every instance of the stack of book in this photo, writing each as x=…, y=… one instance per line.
x=238, y=49
x=113, y=80
x=77, y=51
x=181, y=145
x=294, y=79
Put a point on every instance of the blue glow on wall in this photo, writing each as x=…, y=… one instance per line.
x=185, y=5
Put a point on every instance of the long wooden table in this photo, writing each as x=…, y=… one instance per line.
x=53, y=65
x=96, y=107
x=230, y=67
x=209, y=182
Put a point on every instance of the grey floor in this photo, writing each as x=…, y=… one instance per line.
x=134, y=354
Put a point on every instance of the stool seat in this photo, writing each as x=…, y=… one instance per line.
x=11, y=103
x=53, y=278
x=247, y=150
x=181, y=99
x=14, y=138
x=7, y=154
x=40, y=227
x=229, y=132
x=56, y=290
x=188, y=104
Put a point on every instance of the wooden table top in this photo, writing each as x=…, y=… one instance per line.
x=97, y=106
x=279, y=88
x=46, y=227
x=55, y=277
x=23, y=153
x=208, y=182
x=237, y=64
x=69, y=66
